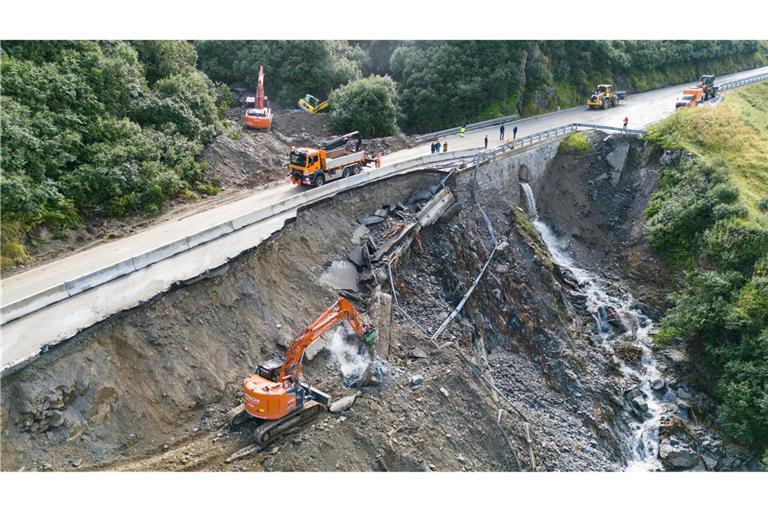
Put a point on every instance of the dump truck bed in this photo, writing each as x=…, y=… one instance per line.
x=343, y=161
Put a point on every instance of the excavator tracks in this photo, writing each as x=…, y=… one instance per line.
x=271, y=430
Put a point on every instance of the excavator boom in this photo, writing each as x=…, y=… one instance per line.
x=330, y=318
x=260, y=97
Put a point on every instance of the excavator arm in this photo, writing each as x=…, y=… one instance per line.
x=260, y=97
x=330, y=318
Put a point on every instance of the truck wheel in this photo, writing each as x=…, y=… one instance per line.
x=319, y=179
x=348, y=171
x=355, y=169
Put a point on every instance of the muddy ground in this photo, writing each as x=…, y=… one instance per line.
x=515, y=383
x=240, y=162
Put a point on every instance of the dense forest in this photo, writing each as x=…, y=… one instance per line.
x=109, y=128
x=709, y=220
x=104, y=128
x=440, y=84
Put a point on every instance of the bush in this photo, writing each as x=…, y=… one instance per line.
x=368, y=105
x=83, y=130
x=691, y=197
x=578, y=142
x=743, y=390
x=735, y=244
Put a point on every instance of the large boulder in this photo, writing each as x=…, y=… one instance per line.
x=677, y=457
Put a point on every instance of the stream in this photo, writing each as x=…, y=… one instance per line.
x=609, y=305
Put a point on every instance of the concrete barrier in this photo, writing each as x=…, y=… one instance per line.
x=32, y=303
x=209, y=234
x=159, y=254
x=98, y=277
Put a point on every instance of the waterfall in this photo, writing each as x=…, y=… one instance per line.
x=604, y=301
x=530, y=201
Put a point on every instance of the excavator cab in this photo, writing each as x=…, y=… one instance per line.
x=271, y=369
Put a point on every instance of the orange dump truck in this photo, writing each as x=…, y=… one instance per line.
x=334, y=160
x=689, y=98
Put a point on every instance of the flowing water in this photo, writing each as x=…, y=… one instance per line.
x=614, y=310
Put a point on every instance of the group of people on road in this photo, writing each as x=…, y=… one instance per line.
x=463, y=130
x=436, y=146
x=502, y=132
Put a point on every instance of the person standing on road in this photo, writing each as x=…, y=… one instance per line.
x=445, y=146
x=437, y=147
x=514, y=133
x=462, y=131
x=626, y=122
x=486, y=141
x=378, y=160
x=432, y=148
x=501, y=132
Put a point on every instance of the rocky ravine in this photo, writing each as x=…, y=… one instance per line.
x=148, y=389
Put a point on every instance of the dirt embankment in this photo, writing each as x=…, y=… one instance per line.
x=596, y=201
x=239, y=162
x=148, y=389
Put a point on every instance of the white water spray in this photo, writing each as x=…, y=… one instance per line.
x=644, y=443
x=352, y=363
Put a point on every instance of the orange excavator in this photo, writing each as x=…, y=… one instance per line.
x=275, y=395
x=258, y=114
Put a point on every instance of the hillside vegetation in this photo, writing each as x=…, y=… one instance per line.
x=709, y=219
x=441, y=84
x=110, y=128
x=99, y=128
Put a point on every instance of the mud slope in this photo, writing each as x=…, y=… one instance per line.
x=164, y=373
x=148, y=389
x=596, y=201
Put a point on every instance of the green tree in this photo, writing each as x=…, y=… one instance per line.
x=368, y=105
x=292, y=68
x=84, y=131
x=165, y=58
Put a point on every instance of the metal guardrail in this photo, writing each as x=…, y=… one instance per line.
x=744, y=81
x=470, y=127
x=556, y=132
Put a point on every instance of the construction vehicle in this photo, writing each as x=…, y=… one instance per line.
x=275, y=395
x=332, y=161
x=604, y=96
x=707, y=85
x=689, y=98
x=258, y=114
x=312, y=104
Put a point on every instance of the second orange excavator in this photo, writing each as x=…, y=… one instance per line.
x=275, y=395
x=258, y=113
